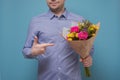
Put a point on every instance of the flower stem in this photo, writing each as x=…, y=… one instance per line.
x=87, y=72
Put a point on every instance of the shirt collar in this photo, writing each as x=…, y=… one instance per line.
x=52, y=15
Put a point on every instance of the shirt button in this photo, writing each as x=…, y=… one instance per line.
x=59, y=79
x=59, y=68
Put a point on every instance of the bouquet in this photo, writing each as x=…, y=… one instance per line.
x=81, y=38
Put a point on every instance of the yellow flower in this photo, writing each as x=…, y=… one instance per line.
x=71, y=35
x=91, y=29
x=95, y=27
x=82, y=24
x=92, y=26
x=69, y=39
x=93, y=35
x=68, y=35
x=76, y=35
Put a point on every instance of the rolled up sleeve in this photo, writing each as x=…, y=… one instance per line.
x=29, y=41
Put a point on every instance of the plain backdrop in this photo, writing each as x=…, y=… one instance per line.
x=15, y=16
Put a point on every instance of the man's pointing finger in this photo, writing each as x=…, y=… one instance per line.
x=47, y=44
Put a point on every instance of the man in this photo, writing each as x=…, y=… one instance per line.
x=56, y=59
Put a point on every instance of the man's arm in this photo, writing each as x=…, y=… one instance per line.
x=29, y=41
x=32, y=48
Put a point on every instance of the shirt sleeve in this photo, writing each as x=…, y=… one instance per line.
x=32, y=32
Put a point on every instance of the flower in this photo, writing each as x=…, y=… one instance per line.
x=85, y=30
x=76, y=35
x=74, y=29
x=69, y=39
x=71, y=35
x=93, y=35
x=83, y=35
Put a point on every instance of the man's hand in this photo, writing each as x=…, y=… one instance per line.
x=87, y=62
x=39, y=48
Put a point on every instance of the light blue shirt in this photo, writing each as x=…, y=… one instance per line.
x=59, y=62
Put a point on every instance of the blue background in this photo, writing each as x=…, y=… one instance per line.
x=15, y=16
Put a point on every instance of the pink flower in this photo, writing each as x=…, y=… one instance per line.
x=83, y=35
x=74, y=29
